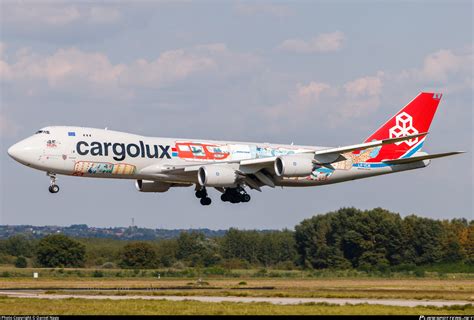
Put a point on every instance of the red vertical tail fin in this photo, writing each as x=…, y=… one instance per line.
x=414, y=118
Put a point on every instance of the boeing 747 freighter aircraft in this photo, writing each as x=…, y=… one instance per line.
x=158, y=164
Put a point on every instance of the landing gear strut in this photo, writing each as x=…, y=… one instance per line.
x=235, y=195
x=202, y=194
x=53, y=188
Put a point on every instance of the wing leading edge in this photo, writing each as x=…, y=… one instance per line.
x=250, y=166
x=422, y=157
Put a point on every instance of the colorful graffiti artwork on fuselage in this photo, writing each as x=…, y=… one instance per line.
x=323, y=173
x=205, y=151
x=201, y=151
x=265, y=152
x=91, y=168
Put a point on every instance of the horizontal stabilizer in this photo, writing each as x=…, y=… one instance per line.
x=420, y=158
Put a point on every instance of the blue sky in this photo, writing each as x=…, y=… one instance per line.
x=313, y=73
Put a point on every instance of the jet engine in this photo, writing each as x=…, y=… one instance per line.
x=217, y=176
x=297, y=165
x=152, y=186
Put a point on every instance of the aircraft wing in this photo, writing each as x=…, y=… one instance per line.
x=252, y=168
x=421, y=157
x=171, y=169
x=331, y=155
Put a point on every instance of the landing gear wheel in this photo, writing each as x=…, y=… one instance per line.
x=235, y=195
x=54, y=188
x=234, y=199
x=206, y=201
x=201, y=193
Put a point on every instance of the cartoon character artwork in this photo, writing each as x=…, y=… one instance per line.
x=201, y=151
x=92, y=168
x=362, y=156
x=352, y=158
x=123, y=168
x=321, y=174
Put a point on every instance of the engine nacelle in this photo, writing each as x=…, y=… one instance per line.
x=297, y=165
x=217, y=176
x=152, y=186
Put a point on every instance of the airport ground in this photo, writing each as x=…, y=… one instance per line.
x=162, y=307
x=246, y=293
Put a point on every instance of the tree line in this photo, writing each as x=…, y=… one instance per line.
x=345, y=239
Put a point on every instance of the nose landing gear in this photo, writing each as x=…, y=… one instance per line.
x=202, y=194
x=53, y=188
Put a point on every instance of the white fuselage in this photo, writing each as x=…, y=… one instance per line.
x=102, y=153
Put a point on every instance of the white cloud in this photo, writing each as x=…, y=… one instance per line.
x=302, y=100
x=71, y=69
x=306, y=94
x=325, y=42
x=169, y=67
x=213, y=59
x=331, y=105
x=439, y=65
x=361, y=96
x=365, y=86
x=57, y=68
x=445, y=70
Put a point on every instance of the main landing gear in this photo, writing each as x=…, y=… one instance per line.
x=53, y=188
x=232, y=195
x=202, y=194
x=235, y=195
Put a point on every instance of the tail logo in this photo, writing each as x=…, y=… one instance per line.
x=403, y=127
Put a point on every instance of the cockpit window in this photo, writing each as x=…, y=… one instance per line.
x=42, y=131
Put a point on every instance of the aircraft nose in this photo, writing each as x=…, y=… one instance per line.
x=13, y=151
x=23, y=152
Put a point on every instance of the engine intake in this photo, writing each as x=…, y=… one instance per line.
x=298, y=165
x=217, y=176
x=152, y=186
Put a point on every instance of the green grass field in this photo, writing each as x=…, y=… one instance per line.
x=454, y=289
x=297, y=284
x=17, y=306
